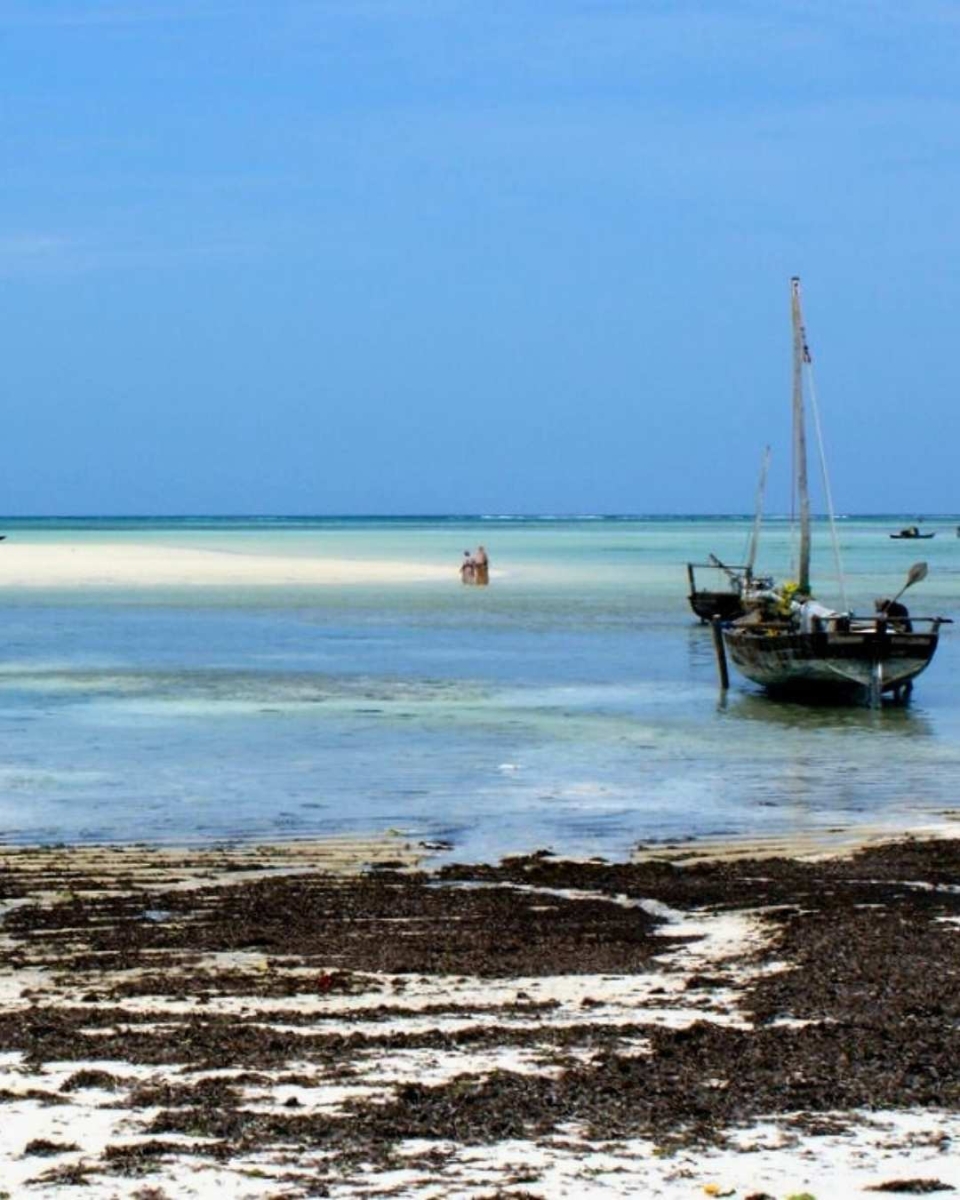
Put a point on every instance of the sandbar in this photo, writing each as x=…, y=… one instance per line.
x=26, y=565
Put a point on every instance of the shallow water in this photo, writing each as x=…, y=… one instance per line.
x=572, y=705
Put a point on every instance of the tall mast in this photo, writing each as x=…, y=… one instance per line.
x=800, y=355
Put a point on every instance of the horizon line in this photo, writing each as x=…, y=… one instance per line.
x=464, y=516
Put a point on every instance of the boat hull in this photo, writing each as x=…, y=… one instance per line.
x=827, y=665
x=725, y=605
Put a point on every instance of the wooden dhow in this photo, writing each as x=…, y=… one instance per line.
x=795, y=647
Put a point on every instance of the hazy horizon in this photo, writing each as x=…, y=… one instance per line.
x=924, y=518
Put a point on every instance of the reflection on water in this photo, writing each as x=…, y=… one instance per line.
x=891, y=721
x=573, y=705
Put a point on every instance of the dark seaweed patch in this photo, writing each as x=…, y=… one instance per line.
x=860, y=1019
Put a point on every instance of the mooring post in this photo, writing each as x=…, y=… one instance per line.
x=721, y=652
x=875, y=690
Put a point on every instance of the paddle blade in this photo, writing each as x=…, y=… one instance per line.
x=917, y=572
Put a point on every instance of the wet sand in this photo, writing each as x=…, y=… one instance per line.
x=350, y=1019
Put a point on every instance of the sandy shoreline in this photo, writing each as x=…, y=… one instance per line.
x=133, y=565
x=330, y=1019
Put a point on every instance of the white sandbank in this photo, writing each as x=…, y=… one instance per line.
x=812, y=845
x=132, y=565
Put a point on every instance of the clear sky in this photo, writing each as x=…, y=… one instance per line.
x=413, y=256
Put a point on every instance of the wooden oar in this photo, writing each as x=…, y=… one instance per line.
x=917, y=572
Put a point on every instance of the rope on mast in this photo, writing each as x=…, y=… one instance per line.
x=825, y=475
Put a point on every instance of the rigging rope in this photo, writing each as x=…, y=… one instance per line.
x=815, y=408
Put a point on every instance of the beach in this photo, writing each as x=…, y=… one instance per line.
x=435, y=764
x=321, y=874
x=351, y=1019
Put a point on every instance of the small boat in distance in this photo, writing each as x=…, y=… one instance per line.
x=795, y=647
x=911, y=531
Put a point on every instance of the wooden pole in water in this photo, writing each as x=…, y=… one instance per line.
x=721, y=652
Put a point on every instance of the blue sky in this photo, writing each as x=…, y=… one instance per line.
x=320, y=256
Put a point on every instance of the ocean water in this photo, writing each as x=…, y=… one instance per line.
x=572, y=705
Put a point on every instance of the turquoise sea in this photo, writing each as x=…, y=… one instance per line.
x=572, y=705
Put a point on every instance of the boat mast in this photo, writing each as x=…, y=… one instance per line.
x=800, y=355
x=758, y=510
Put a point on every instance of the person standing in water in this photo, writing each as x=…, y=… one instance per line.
x=475, y=567
x=481, y=566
